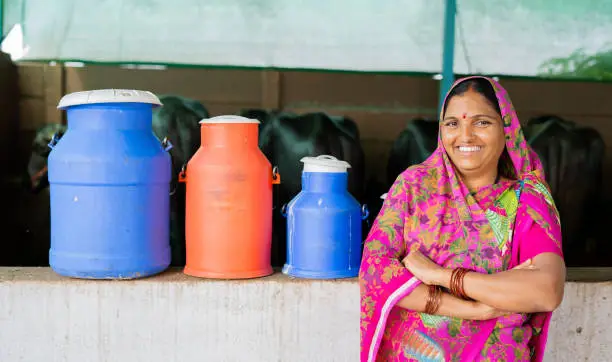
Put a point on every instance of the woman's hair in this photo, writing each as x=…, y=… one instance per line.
x=479, y=85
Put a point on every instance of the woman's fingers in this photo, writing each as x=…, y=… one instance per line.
x=527, y=264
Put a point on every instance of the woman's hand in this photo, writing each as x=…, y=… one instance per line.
x=431, y=273
x=423, y=268
x=485, y=312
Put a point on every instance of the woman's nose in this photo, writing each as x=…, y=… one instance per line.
x=466, y=132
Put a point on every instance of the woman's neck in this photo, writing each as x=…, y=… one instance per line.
x=474, y=183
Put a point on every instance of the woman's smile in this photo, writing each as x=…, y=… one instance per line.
x=468, y=150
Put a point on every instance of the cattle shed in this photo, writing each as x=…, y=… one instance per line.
x=176, y=317
x=381, y=105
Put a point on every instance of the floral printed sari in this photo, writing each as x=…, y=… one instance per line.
x=489, y=231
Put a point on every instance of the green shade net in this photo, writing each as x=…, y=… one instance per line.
x=553, y=38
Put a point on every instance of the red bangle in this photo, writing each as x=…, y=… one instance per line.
x=456, y=283
x=434, y=298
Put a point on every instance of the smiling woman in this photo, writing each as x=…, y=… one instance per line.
x=472, y=132
x=464, y=260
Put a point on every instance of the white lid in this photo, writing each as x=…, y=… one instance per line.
x=383, y=196
x=229, y=118
x=108, y=96
x=324, y=163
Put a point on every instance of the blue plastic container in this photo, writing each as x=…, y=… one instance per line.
x=324, y=223
x=109, y=180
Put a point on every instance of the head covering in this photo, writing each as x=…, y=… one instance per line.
x=429, y=208
x=524, y=161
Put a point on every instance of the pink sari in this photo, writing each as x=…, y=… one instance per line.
x=490, y=231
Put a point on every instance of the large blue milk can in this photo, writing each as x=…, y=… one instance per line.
x=324, y=223
x=109, y=180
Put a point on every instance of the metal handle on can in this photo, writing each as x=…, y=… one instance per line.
x=54, y=139
x=276, y=179
x=283, y=210
x=166, y=144
x=364, y=212
x=182, y=176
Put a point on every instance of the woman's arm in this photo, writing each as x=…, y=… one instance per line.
x=539, y=289
x=536, y=288
x=450, y=306
x=382, y=273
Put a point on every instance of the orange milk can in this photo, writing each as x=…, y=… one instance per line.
x=228, y=216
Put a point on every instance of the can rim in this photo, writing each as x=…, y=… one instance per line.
x=98, y=96
x=229, y=119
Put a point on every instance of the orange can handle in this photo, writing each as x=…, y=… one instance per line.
x=276, y=179
x=182, y=176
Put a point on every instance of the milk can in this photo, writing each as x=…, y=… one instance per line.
x=228, y=216
x=324, y=223
x=109, y=180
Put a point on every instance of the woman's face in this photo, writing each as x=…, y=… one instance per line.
x=472, y=133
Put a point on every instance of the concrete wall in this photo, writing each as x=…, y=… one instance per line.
x=173, y=317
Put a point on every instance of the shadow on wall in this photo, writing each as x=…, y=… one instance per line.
x=25, y=229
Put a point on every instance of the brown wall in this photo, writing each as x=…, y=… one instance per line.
x=380, y=104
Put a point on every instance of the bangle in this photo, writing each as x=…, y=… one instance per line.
x=433, y=299
x=456, y=283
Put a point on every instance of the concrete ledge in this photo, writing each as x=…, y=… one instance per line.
x=173, y=317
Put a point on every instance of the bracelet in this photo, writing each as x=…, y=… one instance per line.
x=456, y=283
x=453, y=282
x=434, y=298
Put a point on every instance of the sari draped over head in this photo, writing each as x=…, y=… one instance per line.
x=488, y=231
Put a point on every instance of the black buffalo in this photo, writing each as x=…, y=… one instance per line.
x=572, y=157
x=286, y=138
x=178, y=121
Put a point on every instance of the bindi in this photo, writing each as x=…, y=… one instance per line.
x=464, y=115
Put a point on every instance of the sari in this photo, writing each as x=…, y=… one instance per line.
x=487, y=231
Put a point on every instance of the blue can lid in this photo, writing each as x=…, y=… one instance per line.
x=108, y=96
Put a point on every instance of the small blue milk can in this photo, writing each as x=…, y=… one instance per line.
x=324, y=223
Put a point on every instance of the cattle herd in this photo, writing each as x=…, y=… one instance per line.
x=572, y=156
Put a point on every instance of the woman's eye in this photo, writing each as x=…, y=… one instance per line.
x=451, y=124
x=482, y=123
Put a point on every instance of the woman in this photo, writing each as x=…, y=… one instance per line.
x=464, y=260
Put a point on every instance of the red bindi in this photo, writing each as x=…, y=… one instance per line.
x=464, y=115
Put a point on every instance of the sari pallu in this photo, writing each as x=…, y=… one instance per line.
x=493, y=230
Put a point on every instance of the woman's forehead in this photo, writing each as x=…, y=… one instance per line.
x=470, y=105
